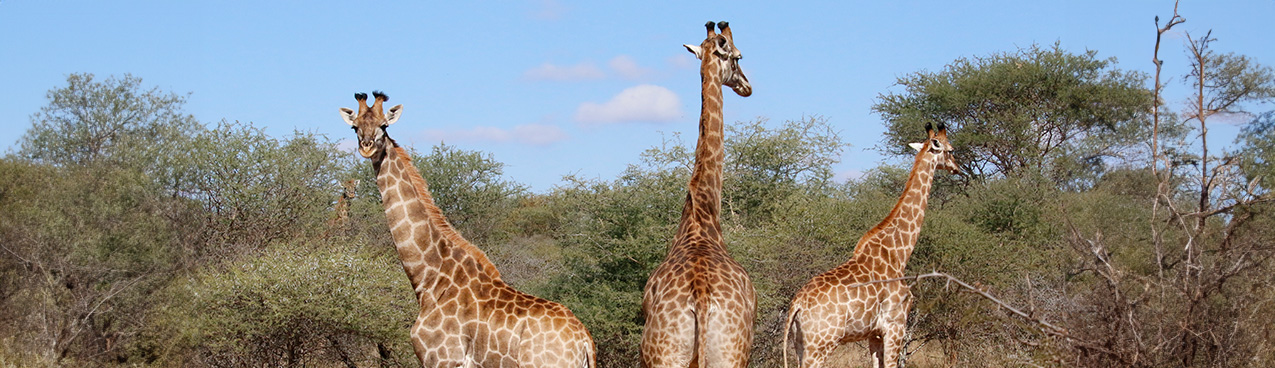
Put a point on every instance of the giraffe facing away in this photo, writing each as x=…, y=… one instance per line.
x=699, y=304
x=468, y=316
x=835, y=308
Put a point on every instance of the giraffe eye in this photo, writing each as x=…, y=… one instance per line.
x=935, y=142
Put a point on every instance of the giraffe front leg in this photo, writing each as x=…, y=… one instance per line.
x=892, y=344
x=893, y=330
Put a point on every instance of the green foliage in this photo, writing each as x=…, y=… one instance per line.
x=83, y=248
x=1257, y=153
x=92, y=120
x=764, y=163
x=1041, y=110
x=292, y=305
x=254, y=188
x=1229, y=80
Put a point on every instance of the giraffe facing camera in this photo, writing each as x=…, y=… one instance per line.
x=468, y=315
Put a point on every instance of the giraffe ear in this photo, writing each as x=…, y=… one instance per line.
x=348, y=115
x=917, y=146
x=393, y=115
x=699, y=53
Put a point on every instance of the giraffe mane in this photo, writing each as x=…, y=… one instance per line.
x=894, y=211
x=439, y=220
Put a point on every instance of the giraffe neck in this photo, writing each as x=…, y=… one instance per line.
x=429, y=247
x=702, y=211
x=893, y=240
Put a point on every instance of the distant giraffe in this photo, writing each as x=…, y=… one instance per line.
x=831, y=310
x=468, y=316
x=699, y=304
x=341, y=211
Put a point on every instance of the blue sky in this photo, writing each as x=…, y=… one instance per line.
x=556, y=87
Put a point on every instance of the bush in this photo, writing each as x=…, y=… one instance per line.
x=291, y=305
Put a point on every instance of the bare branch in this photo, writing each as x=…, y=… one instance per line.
x=1042, y=325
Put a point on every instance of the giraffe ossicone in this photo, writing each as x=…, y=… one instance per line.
x=468, y=316
x=699, y=304
x=843, y=305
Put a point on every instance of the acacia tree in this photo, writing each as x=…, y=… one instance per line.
x=92, y=119
x=1042, y=110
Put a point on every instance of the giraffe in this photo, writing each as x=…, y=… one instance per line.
x=468, y=316
x=341, y=211
x=699, y=304
x=835, y=308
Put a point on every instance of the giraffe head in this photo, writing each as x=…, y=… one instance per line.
x=719, y=56
x=370, y=122
x=937, y=149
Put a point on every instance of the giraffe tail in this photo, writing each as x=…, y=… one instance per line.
x=798, y=338
x=590, y=353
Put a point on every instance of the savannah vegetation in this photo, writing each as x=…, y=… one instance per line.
x=132, y=234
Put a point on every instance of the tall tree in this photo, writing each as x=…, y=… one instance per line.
x=1037, y=109
x=92, y=119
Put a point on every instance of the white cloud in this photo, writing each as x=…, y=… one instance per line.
x=581, y=71
x=538, y=134
x=684, y=60
x=531, y=134
x=627, y=68
x=641, y=103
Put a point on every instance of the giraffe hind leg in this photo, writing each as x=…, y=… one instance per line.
x=876, y=346
x=798, y=342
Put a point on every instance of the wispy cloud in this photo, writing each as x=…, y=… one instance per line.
x=530, y=134
x=623, y=66
x=628, y=68
x=551, y=72
x=644, y=103
x=683, y=61
x=548, y=10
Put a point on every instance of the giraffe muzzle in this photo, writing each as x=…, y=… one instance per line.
x=367, y=149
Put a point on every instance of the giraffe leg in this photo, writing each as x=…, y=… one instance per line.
x=893, y=329
x=822, y=330
x=877, y=348
x=668, y=341
x=893, y=344
x=819, y=342
x=728, y=341
x=813, y=356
